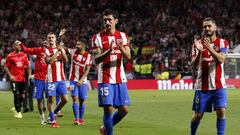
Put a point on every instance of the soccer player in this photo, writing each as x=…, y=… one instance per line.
x=40, y=73
x=208, y=56
x=55, y=58
x=111, y=46
x=81, y=62
x=16, y=63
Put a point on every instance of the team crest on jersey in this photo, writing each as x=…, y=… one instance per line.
x=19, y=64
x=119, y=41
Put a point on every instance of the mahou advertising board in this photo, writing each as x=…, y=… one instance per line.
x=168, y=84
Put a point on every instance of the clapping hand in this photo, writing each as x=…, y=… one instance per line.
x=206, y=42
x=111, y=45
x=60, y=48
x=120, y=43
x=198, y=44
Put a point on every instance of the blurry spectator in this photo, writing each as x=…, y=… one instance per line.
x=168, y=25
x=129, y=70
x=163, y=76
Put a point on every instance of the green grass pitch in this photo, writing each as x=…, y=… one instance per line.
x=151, y=113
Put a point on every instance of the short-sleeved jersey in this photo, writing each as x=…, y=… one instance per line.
x=78, y=64
x=17, y=63
x=210, y=72
x=111, y=70
x=56, y=69
x=40, y=71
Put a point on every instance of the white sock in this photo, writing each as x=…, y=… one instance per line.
x=42, y=117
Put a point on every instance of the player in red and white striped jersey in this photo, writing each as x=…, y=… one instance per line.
x=111, y=69
x=81, y=62
x=80, y=59
x=208, y=56
x=111, y=46
x=55, y=58
x=210, y=72
x=40, y=74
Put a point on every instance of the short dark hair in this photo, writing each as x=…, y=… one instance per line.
x=51, y=33
x=210, y=19
x=110, y=12
x=81, y=42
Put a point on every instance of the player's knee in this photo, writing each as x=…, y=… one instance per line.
x=221, y=113
x=50, y=100
x=108, y=109
x=40, y=101
x=75, y=99
x=81, y=101
x=197, y=117
x=22, y=95
x=65, y=100
x=124, y=111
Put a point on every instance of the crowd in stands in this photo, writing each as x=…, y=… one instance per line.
x=166, y=29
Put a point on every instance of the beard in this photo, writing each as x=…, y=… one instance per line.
x=79, y=49
x=107, y=26
x=209, y=33
x=51, y=43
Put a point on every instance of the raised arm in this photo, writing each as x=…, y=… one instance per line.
x=31, y=51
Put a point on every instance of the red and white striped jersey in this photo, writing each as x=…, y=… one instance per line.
x=210, y=72
x=111, y=70
x=78, y=64
x=56, y=69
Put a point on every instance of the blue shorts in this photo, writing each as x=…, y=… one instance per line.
x=57, y=88
x=204, y=101
x=39, y=88
x=113, y=94
x=80, y=91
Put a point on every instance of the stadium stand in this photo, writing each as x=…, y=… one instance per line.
x=161, y=32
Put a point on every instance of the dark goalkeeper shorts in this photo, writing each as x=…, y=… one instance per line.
x=18, y=87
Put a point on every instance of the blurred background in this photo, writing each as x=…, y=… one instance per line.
x=161, y=32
